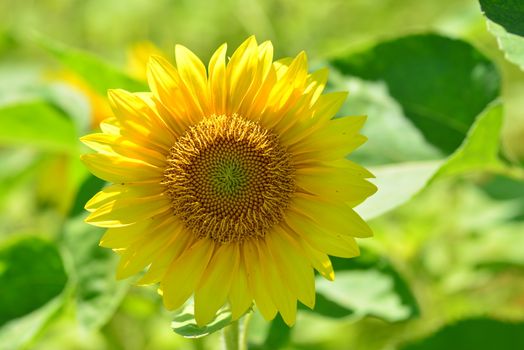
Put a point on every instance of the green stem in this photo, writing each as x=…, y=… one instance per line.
x=198, y=344
x=232, y=336
x=245, y=328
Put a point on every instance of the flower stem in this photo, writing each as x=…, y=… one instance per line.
x=244, y=330
x=232, y=336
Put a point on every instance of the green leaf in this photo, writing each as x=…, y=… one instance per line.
x=278, y=336
x=450, y=82
x=504, y=188
x=366, y=292
x=478, y=334
x=397, y=184
x=511, y=44
x=480, y=149
x=368, y=285
x=38, y=124
x=20, y=333
x=509, y=190
x=385, y=144
x=31, y=274
x=328, y=308
x=507, y=13
x=22, y=164
x=98, y=293
x=89, y=187
x=99, y=74
x=184, y=323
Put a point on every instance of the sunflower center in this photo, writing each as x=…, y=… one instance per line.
x=229, y=179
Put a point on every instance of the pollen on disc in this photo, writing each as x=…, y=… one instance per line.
x=229, y=179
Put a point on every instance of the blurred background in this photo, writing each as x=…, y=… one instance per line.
x=446, y=265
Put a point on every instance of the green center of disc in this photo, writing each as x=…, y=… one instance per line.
x=228, y=177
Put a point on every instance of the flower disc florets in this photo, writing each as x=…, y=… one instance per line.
x=229, y=179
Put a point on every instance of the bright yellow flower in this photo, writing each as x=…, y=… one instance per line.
x=230, y=184
x=138, y=57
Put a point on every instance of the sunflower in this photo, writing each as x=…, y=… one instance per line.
x=230, y=184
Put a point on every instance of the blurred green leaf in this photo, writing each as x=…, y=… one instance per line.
x=22, y=164
x=278, y=336
x=507, y=13
x=328, y=308
x=99, y=74
x=441, y=83
x=31, y=274
x=72, y=101
x=98, y=293
x=392, y=138
x=7, y=41
x=502, y=188
x=480, y=149
x=501, y=266
x=38, y=124
x=511, y=44
x=478, y=334
x=397, y=184
x=367, y=293
x=184, y=323
x=89, y=187
x=368, y=286
x=20, y=333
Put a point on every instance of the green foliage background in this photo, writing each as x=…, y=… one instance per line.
x=443, y=87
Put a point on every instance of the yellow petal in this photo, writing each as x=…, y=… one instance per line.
x=119, y=169
x=255, y=109
x=217, y=80
x=338, y=138
x=293, y=265
x=142, y=252
x=213, y=288
x=261, y=82
x=257, y=283
x=282, y=65
x=240, y=71
x=337, y=218
x=184, y=273
x=335, y=184
x=332, y=243
x=318, y=259
x=110, y=126
x=316, y=82
x=172, y=94
x=123, y=237
x=286, y=95
x=114, y=145
x=328, y=105
x=193, y=73
x=122, y=192
x=276, y=285
x=141, y=123
x=296, y=118
x=126, y=211
x=240, y=298
x=160, y=264
x=162, y=116
x=321, y=112
x=294, y=77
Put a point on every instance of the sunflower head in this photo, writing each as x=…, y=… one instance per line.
x=229, y=179
x=229, y=183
